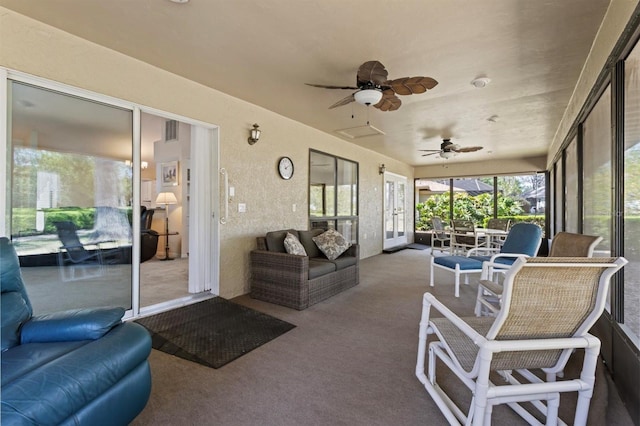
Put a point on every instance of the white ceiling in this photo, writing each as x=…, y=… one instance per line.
x=264, y=52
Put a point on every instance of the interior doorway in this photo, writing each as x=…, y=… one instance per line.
x=395, y=210
x=173, y=189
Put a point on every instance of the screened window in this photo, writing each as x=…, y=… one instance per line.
x=433, y=199
x=552, y=195
x=631, y=235
x=597, y=173
x=520, y=198
x=571, y=188
x=559, y=199
x=333, y=194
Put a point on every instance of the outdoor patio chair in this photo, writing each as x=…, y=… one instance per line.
x=440, y=235
x=549, y=305
x=464, y=236
x=523, y=240
x=501, y=224
x=76, y=256
x=564, y=244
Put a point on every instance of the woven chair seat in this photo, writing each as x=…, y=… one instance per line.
x=462, y=347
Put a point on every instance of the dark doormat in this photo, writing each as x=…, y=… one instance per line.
x=417, y=246
x=213, y=332
x=394, y=249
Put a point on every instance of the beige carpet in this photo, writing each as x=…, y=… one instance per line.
x=349, y=361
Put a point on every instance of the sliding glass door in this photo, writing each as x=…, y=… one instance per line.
x=70, y=200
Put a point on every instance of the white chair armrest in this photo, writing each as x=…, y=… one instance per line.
x=430, y=300
x=514, y=256
x=482, y=251
x=490, y=267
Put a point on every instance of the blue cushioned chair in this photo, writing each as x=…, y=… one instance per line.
x=523, y=240
x=81, y=367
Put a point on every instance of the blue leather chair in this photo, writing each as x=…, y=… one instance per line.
x=148, y=237
x=81, y=367
x=523, y=240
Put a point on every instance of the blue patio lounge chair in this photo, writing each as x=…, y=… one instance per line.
x=523, y=240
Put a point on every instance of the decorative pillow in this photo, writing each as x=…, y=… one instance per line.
x=293, y=245
x=332, y=244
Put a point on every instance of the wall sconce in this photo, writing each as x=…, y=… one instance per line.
x=382, y=169
x=254, y=136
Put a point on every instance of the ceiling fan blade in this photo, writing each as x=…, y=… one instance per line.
x=431, y=153
x=430, y=150
x=411, y=85
x=343, y=101
x=468, y=149
x=389, y=101
x=324, y=86
x=371, y=71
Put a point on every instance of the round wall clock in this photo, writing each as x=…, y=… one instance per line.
x=285, y=168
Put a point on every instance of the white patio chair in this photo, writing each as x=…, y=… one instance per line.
x=501, y=224
x=464, y=236
x=549, y=304
x=439, y=235
x=564, y=244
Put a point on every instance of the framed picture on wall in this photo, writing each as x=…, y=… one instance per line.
x=169, y=173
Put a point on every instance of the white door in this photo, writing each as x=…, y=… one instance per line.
x=395, y=210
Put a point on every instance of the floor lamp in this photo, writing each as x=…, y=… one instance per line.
x=166, y=198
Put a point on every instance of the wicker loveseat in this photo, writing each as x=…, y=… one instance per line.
x=299, y=281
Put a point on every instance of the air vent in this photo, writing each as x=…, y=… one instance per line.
x=170, y=130
x=360, y=132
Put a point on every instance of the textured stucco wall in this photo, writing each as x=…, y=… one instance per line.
x=32, y=47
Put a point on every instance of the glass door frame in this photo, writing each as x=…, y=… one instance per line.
x=398, y=211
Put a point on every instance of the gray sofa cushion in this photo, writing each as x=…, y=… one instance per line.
x=318, y=268
x=309, y=245
x=344, y=262
x=275, y=240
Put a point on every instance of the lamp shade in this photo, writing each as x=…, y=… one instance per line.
x=368, y=96
x=166, y=198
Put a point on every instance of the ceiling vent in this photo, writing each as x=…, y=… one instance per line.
x=170, y=130
x=360, y=132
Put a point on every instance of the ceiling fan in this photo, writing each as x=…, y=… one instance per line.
x=448, y=149
x=373, y=88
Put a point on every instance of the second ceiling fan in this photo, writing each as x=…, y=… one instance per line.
x=373, y=88
x=448, y=149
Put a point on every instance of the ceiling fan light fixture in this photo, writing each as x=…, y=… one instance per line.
x=447, y=154
x=368, y=96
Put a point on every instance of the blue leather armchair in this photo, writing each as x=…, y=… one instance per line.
x=82, y=367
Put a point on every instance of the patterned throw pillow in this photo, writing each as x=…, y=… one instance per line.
x=332, y=244
x=293, y=245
